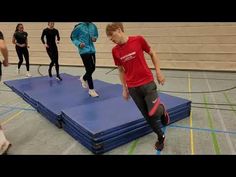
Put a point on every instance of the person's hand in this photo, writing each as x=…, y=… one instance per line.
x=82, y=45
x=160, y=78
x=5, y=63
x=46, y=45
x=94, y=39
x=125, y=94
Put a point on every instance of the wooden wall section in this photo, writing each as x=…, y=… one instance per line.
x=189, y=45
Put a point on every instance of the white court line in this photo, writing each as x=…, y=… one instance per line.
x=220, y=116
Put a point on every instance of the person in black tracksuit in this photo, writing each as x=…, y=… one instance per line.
x=51, y=35
x=21, y=43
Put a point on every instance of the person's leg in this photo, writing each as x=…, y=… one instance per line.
x=141, y=96
x=138, y=98
x=20, y=56
x=155, y=106
x=55, y=54
x=50, y=54
x=155, y=111
x=27, y=64
x=26, y=56
x=56, y=61
x=93, y=62
x=89, y=64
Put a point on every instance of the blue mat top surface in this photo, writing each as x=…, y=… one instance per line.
x=112, y=113
x=70, y=93
x=99, y=117
x=38, y=83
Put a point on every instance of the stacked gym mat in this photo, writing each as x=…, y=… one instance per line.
x=100, y=124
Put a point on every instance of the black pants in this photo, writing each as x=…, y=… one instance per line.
x=89, y=61
x=23, y=51
x=144, y=96
x=53, y=55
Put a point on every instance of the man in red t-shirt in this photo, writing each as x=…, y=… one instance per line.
x=137, y=79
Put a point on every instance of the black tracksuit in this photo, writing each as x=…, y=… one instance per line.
x=52, y=50
x=21, y=38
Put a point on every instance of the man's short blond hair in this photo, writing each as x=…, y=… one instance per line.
x=113, y=27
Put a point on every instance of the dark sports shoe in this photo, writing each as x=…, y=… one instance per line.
x=165, y=118
x=159, y=145
x=59, y=78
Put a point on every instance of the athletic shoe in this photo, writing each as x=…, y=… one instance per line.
x=83, y=82
x=159, y=145
x=58, y=78
x=93, y=93
x=28, y=74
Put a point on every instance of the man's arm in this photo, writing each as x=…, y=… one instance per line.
x=4, y=51
x=156, y=63
x=123, y=82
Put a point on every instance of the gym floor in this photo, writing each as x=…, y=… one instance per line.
x=210, y=129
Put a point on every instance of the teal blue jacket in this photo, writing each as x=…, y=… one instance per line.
x=84, y=32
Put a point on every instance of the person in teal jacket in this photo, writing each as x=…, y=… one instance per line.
x=83, y=37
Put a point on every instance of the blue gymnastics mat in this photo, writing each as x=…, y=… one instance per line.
x=112, y=142
x=118, y=113
x=121, y=122
x=127, y=124
x=100, y=124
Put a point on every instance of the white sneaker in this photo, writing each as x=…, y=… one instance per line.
x=83, y=82
x=28, y=74
x=17, y=71
x=93, y=93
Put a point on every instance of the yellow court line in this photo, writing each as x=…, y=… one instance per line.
x=13, y=116
x=191, y=118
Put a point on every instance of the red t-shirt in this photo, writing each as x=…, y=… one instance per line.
x=130, y=55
